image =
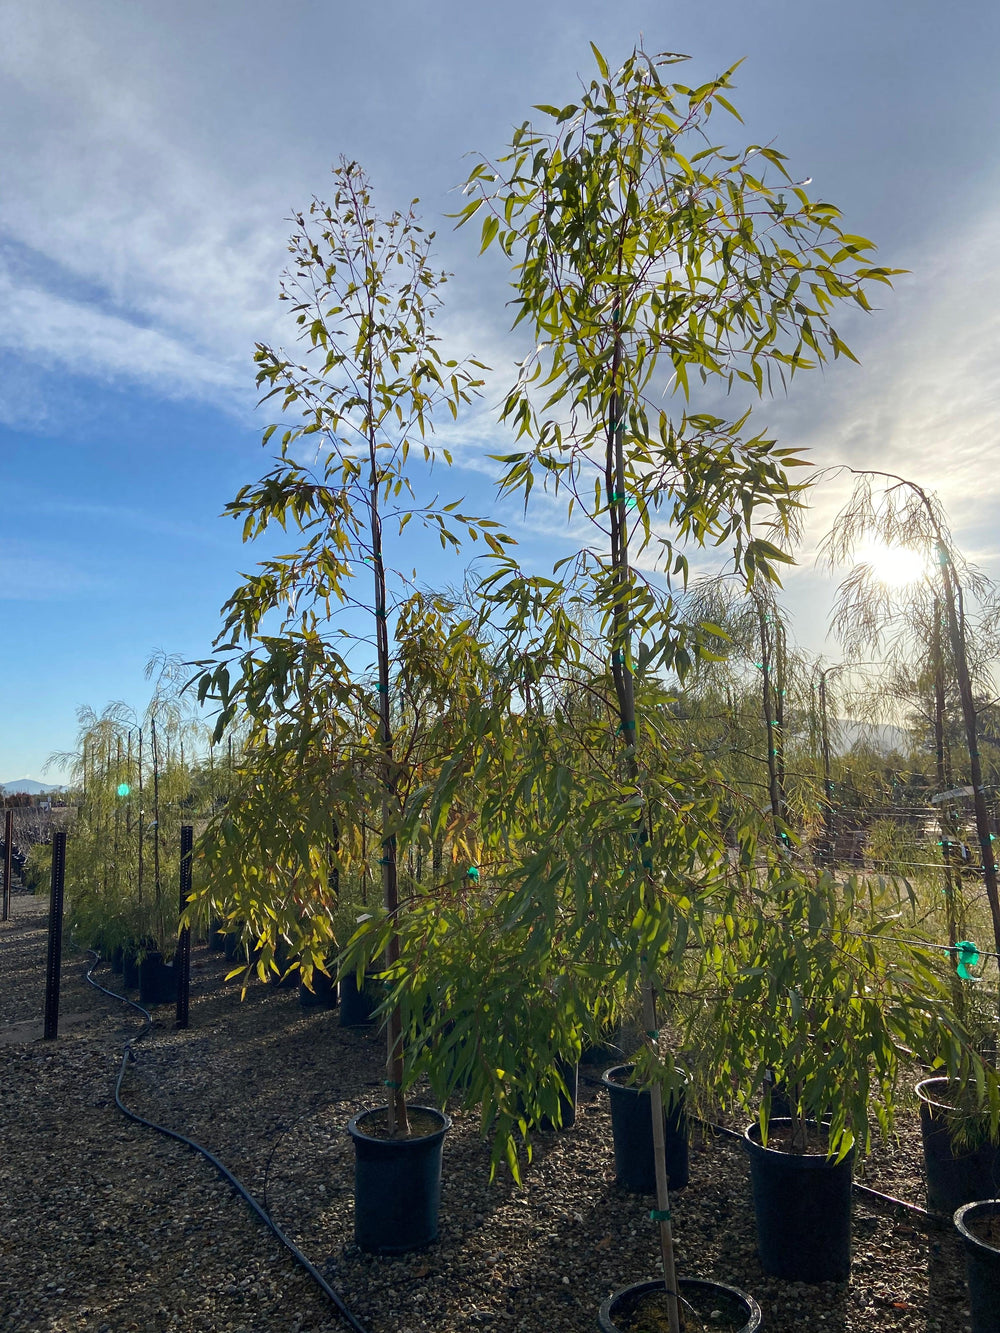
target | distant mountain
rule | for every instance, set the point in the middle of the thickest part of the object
(27, 785)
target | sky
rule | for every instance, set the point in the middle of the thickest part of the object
(152, 155)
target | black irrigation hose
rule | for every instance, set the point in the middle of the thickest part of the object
(128, 1054)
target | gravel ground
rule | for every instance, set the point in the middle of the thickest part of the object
(110, 1228)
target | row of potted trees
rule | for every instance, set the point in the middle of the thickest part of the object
(596, 860)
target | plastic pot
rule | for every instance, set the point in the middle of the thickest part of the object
(397, 1182)
(704, 1297)
(357, 1007)
(217, 935)
(802, 1206)
(233, 947)
(632, 1130)
(323, 994)
(283, 979)
(982, 1264)
(157, 980)
(117, 955)
(567, 1103)
(957, 1172)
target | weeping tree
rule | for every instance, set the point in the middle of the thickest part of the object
(930, 620)
(646, 260)
(364, 295)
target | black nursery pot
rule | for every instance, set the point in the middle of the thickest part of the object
(323, 994)
(233, 947)
(357, 1007)
(397, 1182)
(956, 1173)
(117, 959)
(217, 935)
(704, 1297)
(982, 1264)
(567, 1100)
(802, 1206)
(632, 1130)
(157, 980)
(130, 967)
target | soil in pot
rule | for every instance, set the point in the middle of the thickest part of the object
(978, 1223)
(632, 1130)
(397, 1181)
(704, 1306)
(802, 1205)
(960, 1167)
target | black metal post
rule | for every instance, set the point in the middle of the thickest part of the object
(52, 971)
(8, 853)
(183, 959)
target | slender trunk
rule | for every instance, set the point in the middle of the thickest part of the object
(142, 814)
(956, 629)
(770, 728)
(396, 1104)
(621, 671)
(944, 822)
(156, 823)
(118, 815)
(827, 780)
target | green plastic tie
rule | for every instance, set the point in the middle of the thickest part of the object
(380, 688)
(653, 1035)
(385, 861)
(659, 1214)
(390, 1083)
(647, 865)
(968, 956)
(473, 872)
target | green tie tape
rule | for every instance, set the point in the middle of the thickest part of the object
(968, 956)
(473, 872)
(659, 1214)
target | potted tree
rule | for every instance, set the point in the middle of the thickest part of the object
(363, 295)
(644, 256)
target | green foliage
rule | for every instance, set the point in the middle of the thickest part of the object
(123, 851)
(828, 987)
(647, 256)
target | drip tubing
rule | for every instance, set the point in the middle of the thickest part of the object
(129, 1056)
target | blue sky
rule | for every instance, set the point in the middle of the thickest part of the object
(152, 154)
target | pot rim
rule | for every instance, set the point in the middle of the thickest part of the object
(970, 1238)
(781, 1152)
(414, 1139)
(634, 1087)
(751, 1326)
(947, 1081)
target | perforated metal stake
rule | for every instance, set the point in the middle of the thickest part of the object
(52, 970)
(8, 853)
(182, 960)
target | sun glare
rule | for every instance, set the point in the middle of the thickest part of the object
(894, 566)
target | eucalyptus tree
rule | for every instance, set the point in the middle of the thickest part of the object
(363, 294)
(931, 619)
(647, 258)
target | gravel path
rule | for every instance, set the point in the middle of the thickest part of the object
(110, 1228)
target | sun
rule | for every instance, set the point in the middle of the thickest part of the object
(894, 566)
